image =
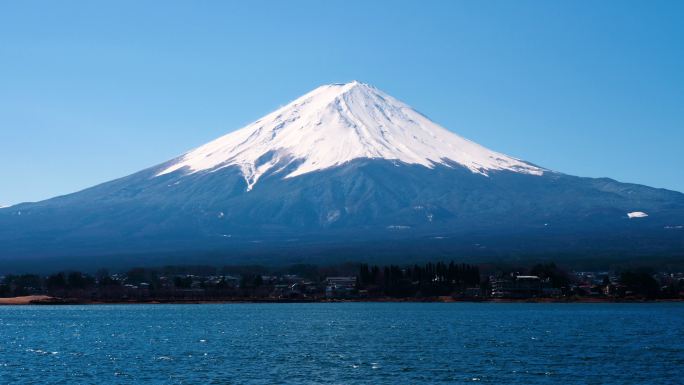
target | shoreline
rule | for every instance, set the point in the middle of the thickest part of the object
(39, 300)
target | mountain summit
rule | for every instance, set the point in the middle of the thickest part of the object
(335, 124)
(344, 172)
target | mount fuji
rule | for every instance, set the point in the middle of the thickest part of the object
(345, 171)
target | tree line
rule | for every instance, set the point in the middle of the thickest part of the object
(425, 280)
(428, 280)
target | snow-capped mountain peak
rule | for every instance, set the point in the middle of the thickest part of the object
(335, 124)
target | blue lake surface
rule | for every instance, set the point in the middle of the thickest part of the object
(343, 343)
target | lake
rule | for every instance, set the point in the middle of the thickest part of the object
(343, 343)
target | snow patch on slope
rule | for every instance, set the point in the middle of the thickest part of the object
(335, 124)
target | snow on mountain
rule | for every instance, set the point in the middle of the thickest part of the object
(335, 124)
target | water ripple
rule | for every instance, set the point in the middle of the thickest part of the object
(351, 343)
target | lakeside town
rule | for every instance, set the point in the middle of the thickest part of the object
(361, 282)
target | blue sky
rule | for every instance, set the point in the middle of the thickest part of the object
(91, 91)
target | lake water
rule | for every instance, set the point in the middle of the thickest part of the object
(343, 343)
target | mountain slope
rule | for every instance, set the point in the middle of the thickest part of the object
(344, 170)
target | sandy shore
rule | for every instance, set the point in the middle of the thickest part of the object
(25, 300)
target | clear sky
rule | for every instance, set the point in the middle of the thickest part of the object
(93, 90)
